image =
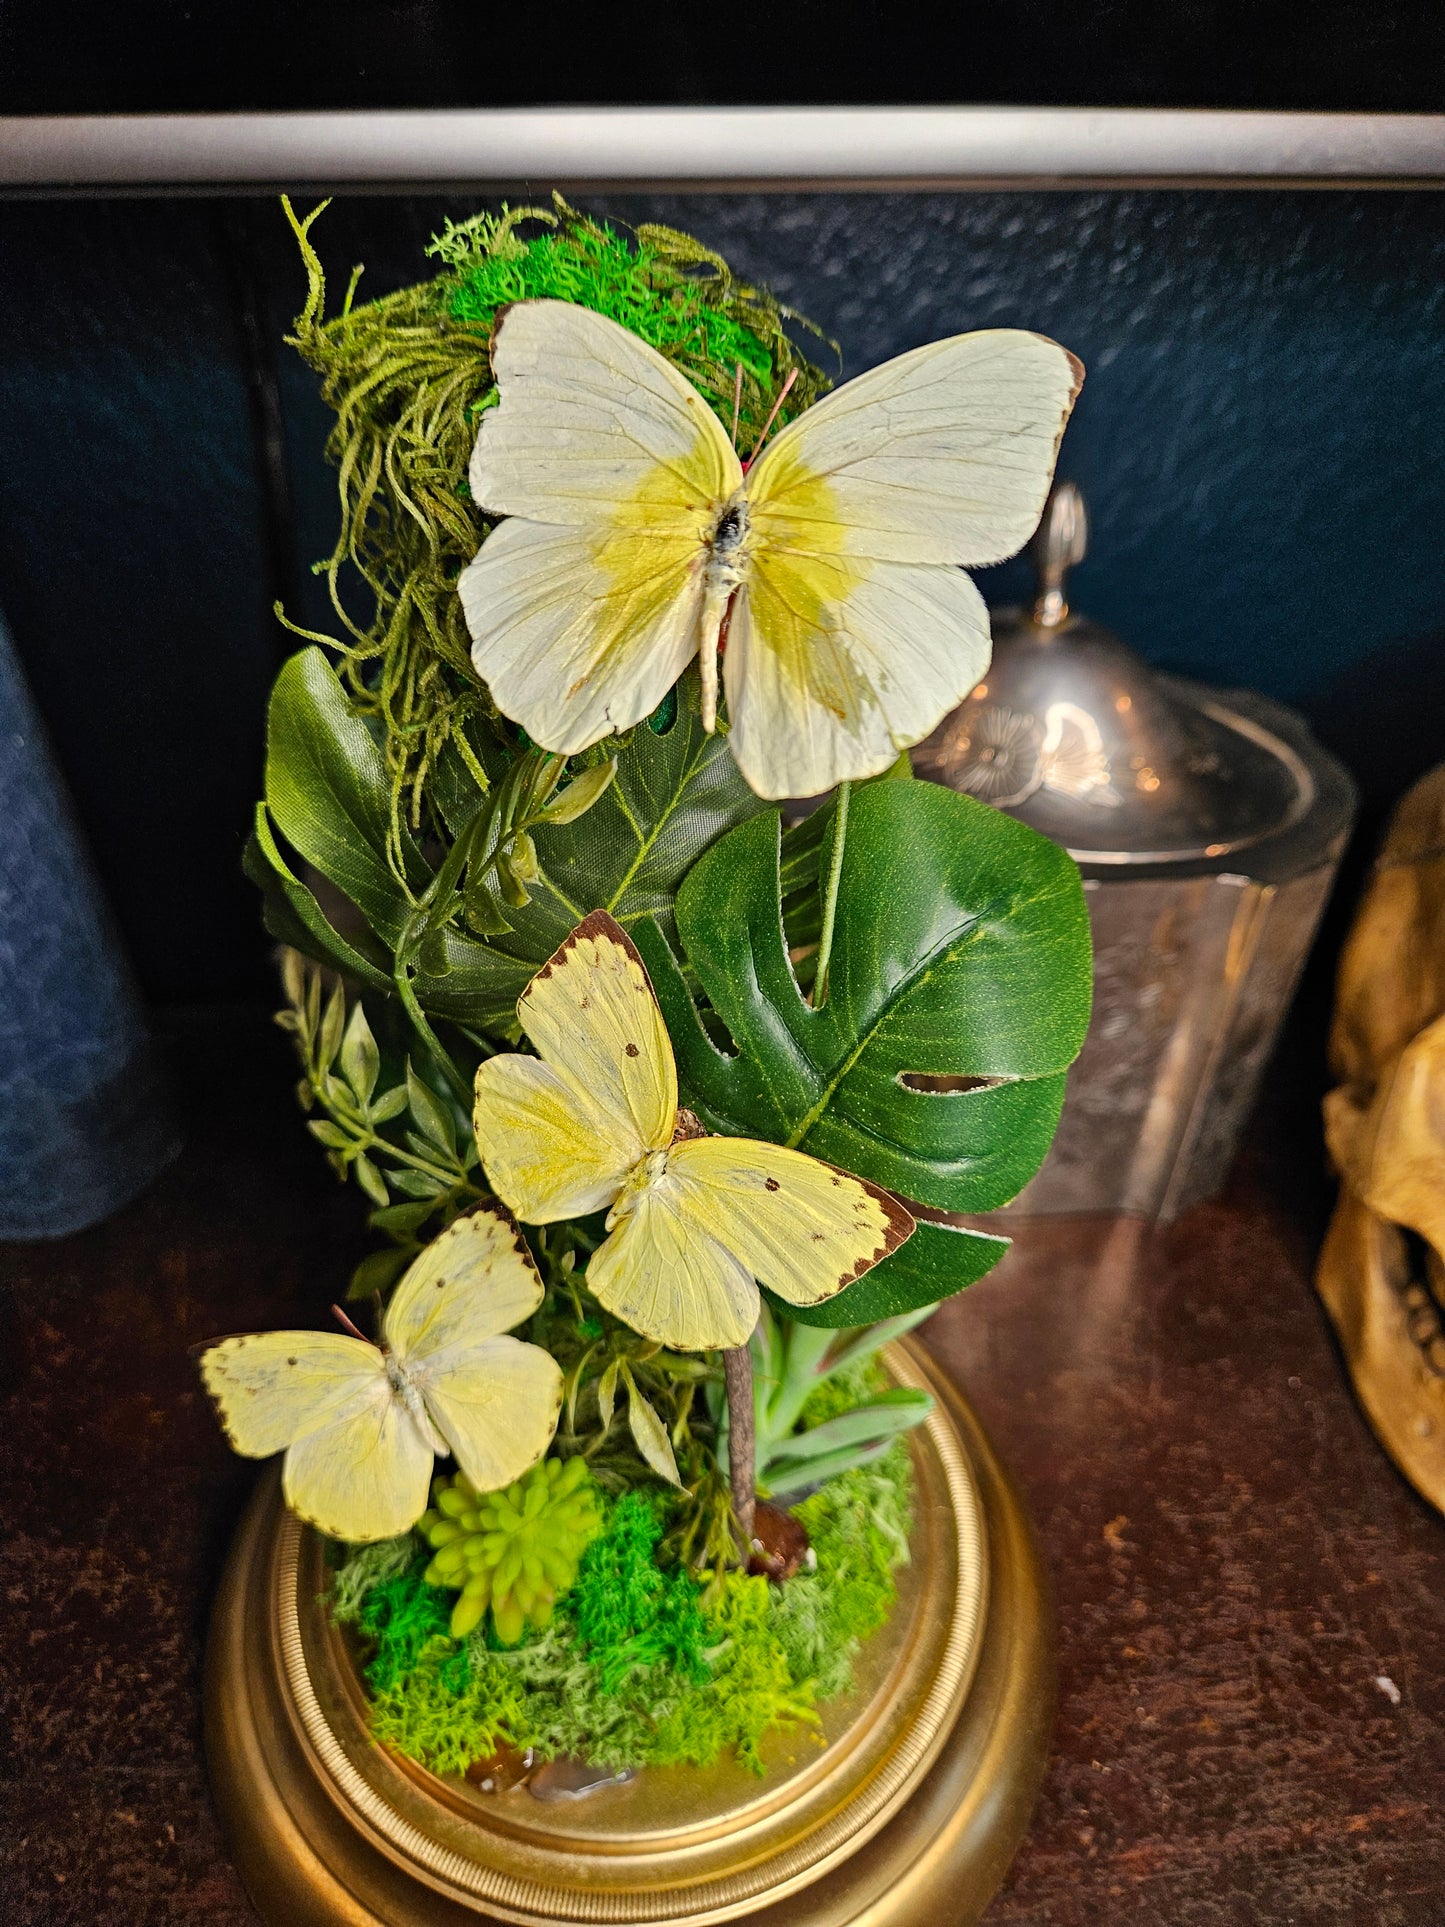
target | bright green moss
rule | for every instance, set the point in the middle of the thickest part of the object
(453, 1707)
(593, 267)
(640, 1665)
(859, 1526)
(630, 1615)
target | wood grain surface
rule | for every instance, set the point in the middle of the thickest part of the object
(1251, 1602)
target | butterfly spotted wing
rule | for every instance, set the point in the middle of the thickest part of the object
(357, 1465)
(559, 1132)
(695, 1221)
(360, 1430)
(493, 1399)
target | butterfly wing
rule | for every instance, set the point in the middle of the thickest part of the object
(270, 1388)
(476, 1279)
(356, 1465)
(494, 1400)
(558, 1136)
(363, 1477)
(854, 633)
(801, 1227)
(943, 455)
(663, 1273)
(584, 610)
(832, 668)
(579, 634)
(589, 420)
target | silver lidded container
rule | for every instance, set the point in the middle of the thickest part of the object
(1208, 825)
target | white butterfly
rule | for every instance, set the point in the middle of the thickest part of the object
(592, 1124)
(360, 1424)
(637, 541)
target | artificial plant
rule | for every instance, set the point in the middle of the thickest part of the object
(893, 982)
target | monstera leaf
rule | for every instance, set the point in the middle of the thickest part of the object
(328, 799)
(958, 994)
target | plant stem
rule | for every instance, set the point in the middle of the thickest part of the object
(830, 898)
(742, 1446)
(440, 1055)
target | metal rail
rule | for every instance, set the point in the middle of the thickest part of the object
(724, 147)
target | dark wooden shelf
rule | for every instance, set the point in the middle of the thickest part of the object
(1237, 1566)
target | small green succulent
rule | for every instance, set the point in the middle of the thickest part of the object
(515, 1550)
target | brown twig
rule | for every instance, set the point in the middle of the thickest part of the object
(742, 1444)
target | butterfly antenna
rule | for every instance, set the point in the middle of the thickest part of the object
(767, 425)
(737, 403)
(346, 1325)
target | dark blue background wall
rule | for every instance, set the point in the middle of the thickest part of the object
(1259, 437)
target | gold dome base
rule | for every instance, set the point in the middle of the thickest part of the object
(904, 1807)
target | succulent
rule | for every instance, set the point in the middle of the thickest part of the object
(815, 1414)
(515, 1550)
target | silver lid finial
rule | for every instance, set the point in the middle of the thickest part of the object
(1061, 541)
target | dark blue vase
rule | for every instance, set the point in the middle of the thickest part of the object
(84, 1122)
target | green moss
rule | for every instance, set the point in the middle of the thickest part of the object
(640, 1665)
(635, 285)
(629, 1615)
(752, 1688)
(453, 1707)
(398, 1612)
(859, 1526)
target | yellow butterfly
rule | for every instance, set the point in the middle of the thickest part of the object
(360, 1424)
(637, 541)
(592, 1123)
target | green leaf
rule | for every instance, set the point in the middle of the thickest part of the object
(883, 1417)
(294, 917)
(580, 794)
(333, 1027)
(432, 1116)
(328, 793)
(863, 1340)
(607, 1394)
(649, 1435)
(371, 1180)
(522, 858)
(672, 796)
(933, 1263)
(802, 849)
(389, 1105)
(378, 1272)
(789, 1475)
(360, 1059)
(331, 1135)
(961, 952)
(402, 1218)
(417, 1184)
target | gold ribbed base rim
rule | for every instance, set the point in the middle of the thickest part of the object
(906, 1808)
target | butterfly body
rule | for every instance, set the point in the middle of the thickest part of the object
(404, 1390)
(724, 572)
(637, 539)
(693, 1221)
